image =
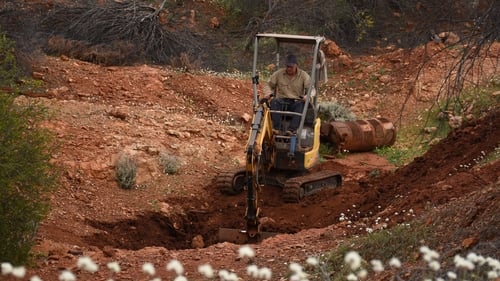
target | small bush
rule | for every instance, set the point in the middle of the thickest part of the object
(8, 64)
(126, 170)
(169, 163)
(26, 176)
(332, 111)
(400, 241)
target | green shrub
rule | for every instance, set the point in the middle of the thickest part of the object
(332, 111)
(26, 176)
(402, 241)
(168, 162)
(126, 170)
(8, 65)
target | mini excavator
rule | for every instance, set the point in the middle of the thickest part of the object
(274, 157)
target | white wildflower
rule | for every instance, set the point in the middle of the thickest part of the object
(180, 278)
(206, 270)
(472, 257)
(492, 274)
(451, 275)
(434, 265)
(35, 278)
(362, 274)
(493, 263)
(223, 274)
(429, 255)
(433, 254)
(395, 262)
(149, 269)
(299, 276)
(353, 259)
(18, 271)
(295, 267)
(232, 277)
(424, 250)
(439, 279)
(253, 270)
(265, 273)
(176, 266)
(342, 217)
(352, 277)
(114, 267)
(460, 262)
(6, 268)
(67, 275)
(246, 251)
(87, 264)
(312, 261)
(481, 260)
(377, 265)
(156, 279)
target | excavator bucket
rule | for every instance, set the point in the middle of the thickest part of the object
(239, 236)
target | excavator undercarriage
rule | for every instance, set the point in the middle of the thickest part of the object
(295, 186)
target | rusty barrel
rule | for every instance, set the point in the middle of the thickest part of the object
(359, 135)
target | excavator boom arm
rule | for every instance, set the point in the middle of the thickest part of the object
(258, 161)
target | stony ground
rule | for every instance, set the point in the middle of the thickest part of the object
(100, 112)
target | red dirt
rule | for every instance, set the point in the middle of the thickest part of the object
(102, 111)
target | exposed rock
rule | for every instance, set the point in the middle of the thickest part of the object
(331, 49)
(198, 242)
(469, 242)
(214, 23)
(385, 78)
(449, 37)
(37, 75)
(246, 117)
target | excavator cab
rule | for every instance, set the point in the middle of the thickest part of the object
(274, 157)
(293, 154)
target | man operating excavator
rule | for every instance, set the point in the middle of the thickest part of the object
(288, 86)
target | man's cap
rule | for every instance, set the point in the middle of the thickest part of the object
(290, 60)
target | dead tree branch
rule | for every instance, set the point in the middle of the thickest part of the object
(126, 21)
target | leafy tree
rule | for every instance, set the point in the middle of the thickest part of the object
(26, 174)
(26, 177)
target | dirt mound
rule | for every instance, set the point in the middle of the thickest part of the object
(448, 170)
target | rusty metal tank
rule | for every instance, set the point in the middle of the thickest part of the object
(359, 135)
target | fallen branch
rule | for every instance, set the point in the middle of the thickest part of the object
(125, 21)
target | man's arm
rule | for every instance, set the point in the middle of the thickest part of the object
(270, 87)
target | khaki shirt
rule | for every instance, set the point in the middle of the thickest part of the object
(289, 88)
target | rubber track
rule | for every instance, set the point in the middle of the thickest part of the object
(225, 181)
(295, 188)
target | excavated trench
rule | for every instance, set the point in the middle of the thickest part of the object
(195, 224)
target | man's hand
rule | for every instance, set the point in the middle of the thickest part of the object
(266, 98)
